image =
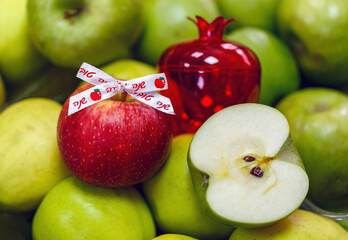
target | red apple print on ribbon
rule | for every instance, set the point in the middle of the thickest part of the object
(96, 95)
(160, 82)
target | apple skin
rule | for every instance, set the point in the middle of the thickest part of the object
(100, 32)
(166, 23)
(128, 69)
(173, 201)
(114, 143)
(19, 60)
(256, 13)
(76, 210)
(279, 71)
(174, 237)
(318, 124)
(30, 160)
(316, 33)
(301, 225)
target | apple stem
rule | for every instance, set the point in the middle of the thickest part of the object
(68, 14)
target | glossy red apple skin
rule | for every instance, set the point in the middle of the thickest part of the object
(114, 143)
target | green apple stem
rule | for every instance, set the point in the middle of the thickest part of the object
(68, 14)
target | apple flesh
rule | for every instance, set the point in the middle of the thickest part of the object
(114, 142)
(245, 168)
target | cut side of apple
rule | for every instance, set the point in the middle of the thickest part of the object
(245, 168)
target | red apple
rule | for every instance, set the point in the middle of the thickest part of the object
(114, 143)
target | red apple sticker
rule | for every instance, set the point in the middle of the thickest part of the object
(96, 95)
(114, 142)
(160, 82)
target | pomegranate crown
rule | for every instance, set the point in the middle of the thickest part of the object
(211, 30)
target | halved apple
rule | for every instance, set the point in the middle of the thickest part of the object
(245, 168)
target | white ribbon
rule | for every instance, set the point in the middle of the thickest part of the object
(142, 89)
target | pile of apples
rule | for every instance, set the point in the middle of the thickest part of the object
(275, 169)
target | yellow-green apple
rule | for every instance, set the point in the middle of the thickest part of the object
(30, 163)
(318, 122)
(166, 23)
(19, 60)
(115, 142)
(173, 201)
(255, 13)
(245, 167)
(279, 71)
(316, 33)
(128, 69)
(174, 237)
(301, 225)
(2, 92)
(71, 32)
(77, 210)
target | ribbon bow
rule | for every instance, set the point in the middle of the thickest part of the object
(142, 89)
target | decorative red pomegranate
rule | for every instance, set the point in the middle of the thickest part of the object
(208, 74)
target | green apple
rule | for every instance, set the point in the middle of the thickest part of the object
(166, 23)
(279, 71)
(18, 57)
(71, 32)
(128, 69)
(174, 237)
(172, 199)
(2, 93)
(318, 121)
(245, 167)
(255, 13)
(77, 210)
(30, 162)
(316, 33)
(301, 225)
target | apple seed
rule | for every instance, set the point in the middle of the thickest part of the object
(256, 171)
(249, 158)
